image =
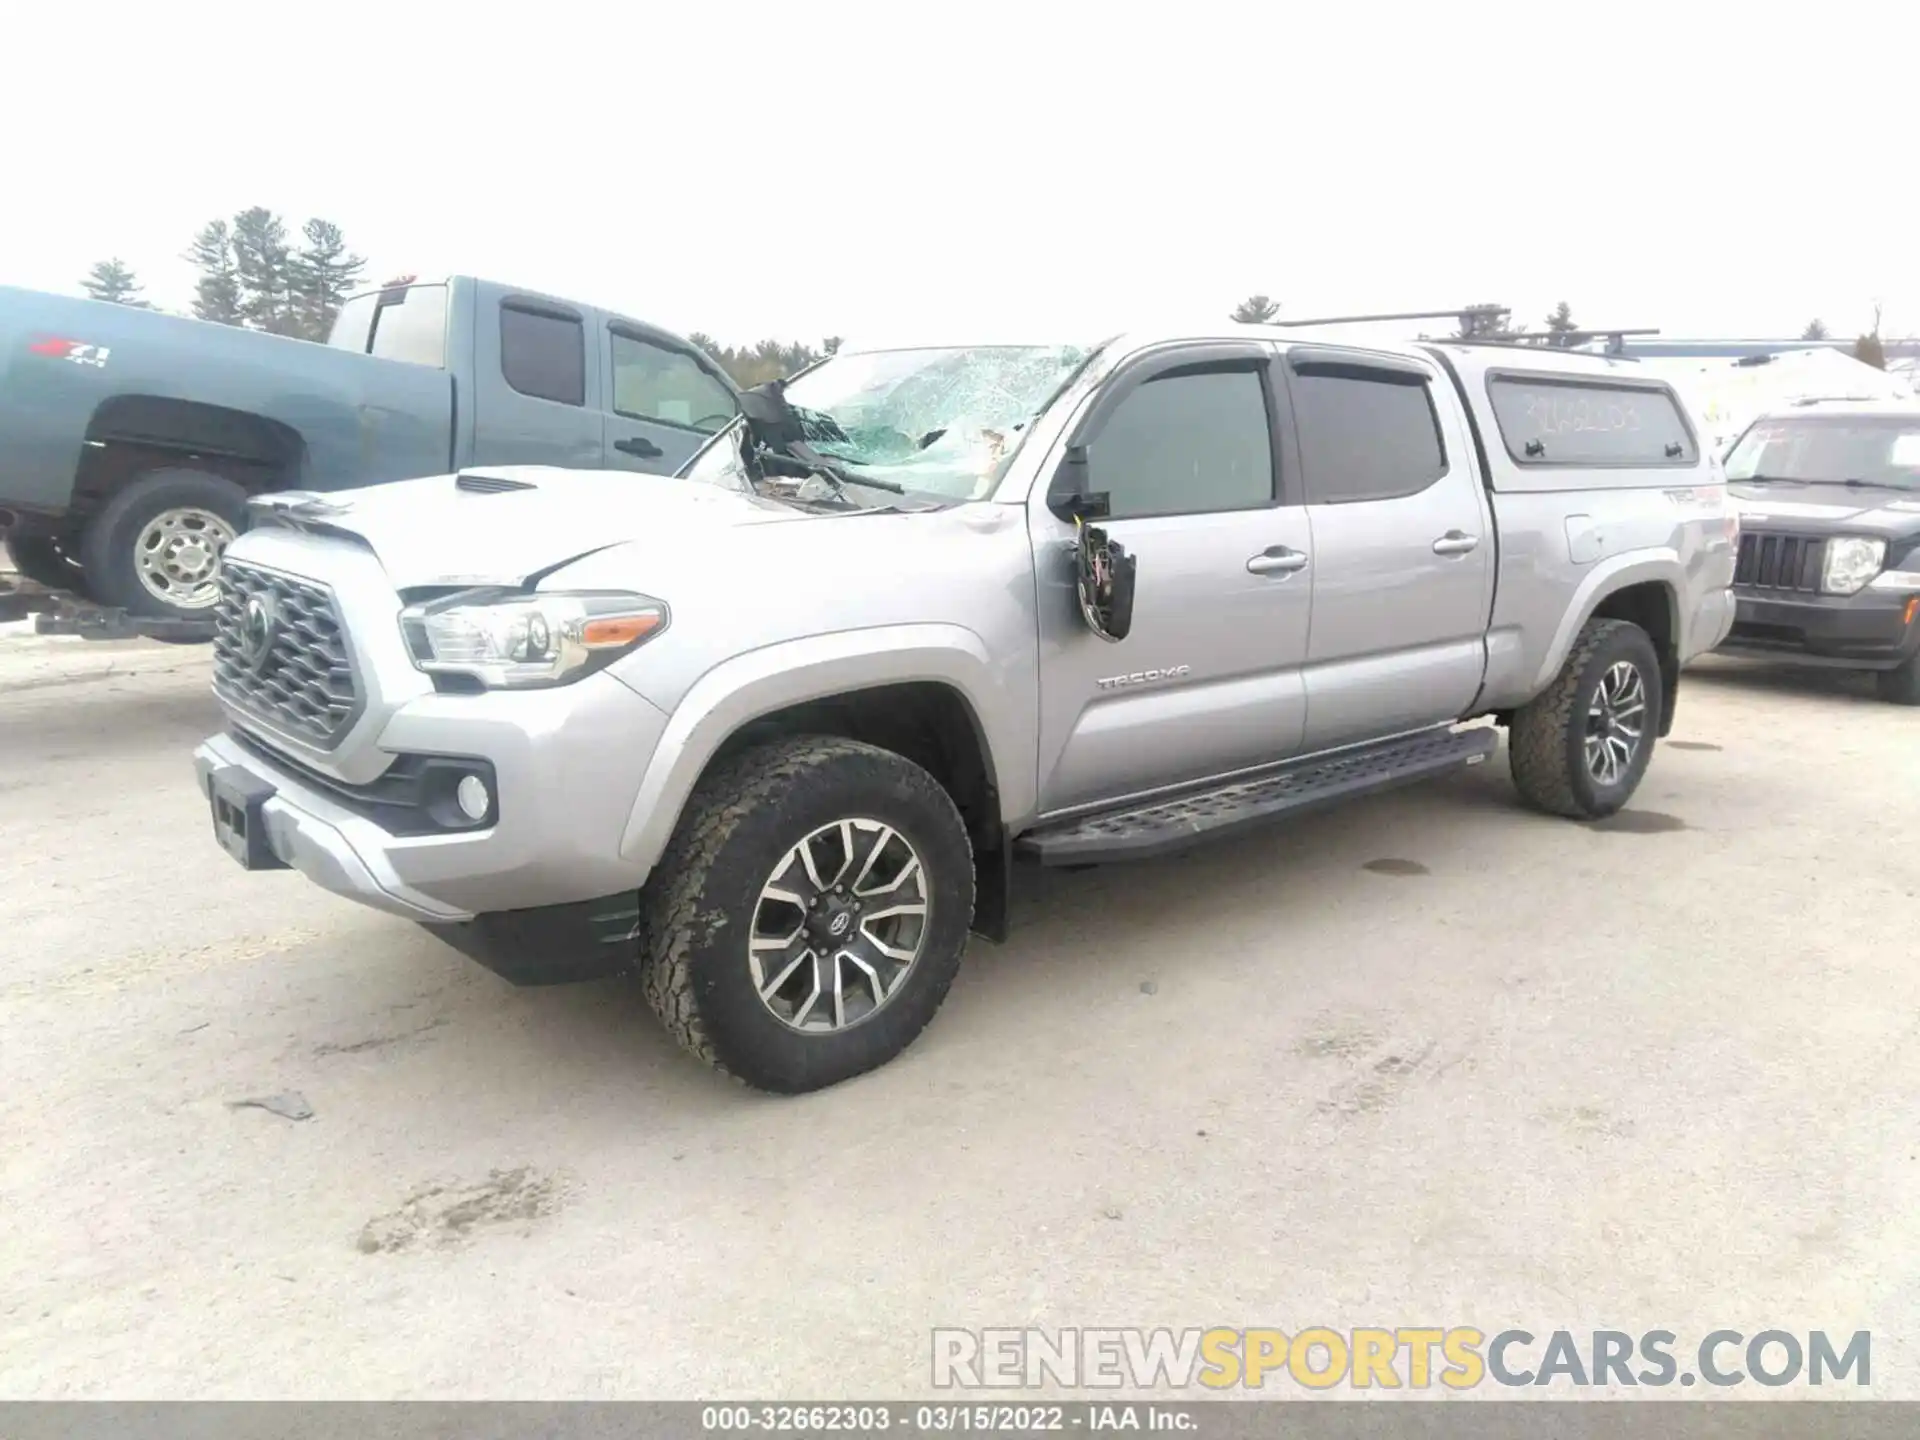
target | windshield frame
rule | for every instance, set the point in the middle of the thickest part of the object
(1893, 421)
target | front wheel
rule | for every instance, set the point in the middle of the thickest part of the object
(154, 549)
(810, 913)
(1580, 748)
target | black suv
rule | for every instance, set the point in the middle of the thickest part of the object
(1829, 569)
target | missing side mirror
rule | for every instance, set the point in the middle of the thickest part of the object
(1103, 581)
(1103, 571)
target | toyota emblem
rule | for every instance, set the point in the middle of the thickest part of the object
(259, 624)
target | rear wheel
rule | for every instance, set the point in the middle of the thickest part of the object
(154, 549)
(43, 560)
(1580, 748)
(810, 914)
(1901, 686)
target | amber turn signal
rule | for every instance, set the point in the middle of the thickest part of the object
(613, 631)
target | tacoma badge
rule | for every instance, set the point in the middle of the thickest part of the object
(1143, 677)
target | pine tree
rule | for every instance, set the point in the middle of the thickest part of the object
(216, 294)
(262, 262)
(1560, 327)
(113, 281)
(831, 345)
(1816, 330)
(319, 278)
(1485, 322)
(1868, 349)
(1255, 310)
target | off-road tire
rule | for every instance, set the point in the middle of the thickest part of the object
(699, 907)
(106, 549)
(42, 560)
(1546, 743)
(1900, 686)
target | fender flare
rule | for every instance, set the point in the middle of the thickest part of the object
(746, 687)
(1633, 567)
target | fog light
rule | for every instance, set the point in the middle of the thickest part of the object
(472, 797)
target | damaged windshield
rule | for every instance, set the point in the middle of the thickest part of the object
(940, 424)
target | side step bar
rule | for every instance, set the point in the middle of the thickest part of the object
(1161, 826)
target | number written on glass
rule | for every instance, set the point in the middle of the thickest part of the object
(1579, 412)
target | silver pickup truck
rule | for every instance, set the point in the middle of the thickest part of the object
(772, 733)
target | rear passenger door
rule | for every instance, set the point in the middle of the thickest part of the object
(535, 377)
(664, 399)
(1403, 546)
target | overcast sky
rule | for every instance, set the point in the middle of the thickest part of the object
(806, 169)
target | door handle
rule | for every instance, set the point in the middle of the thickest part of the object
(1455, 542)
(637, 445)
(1276, 560)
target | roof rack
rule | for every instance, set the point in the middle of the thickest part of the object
(1459, 312)
(1572, 341)
(1585, 334)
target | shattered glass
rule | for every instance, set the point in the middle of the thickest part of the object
(940, 422)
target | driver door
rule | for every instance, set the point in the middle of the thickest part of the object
(663, 400)
(1190, 444)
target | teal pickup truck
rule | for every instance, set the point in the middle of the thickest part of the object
(131, 441)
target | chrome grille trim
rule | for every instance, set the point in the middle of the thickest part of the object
(302, 687)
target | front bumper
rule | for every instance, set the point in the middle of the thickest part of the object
(1868, 631)
(567, 767)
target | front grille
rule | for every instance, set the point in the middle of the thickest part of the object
(279, 655)
(1779, 562)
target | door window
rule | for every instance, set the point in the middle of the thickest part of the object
(544, 355)
(1365, 434)
(1187, 442)
(652, 382)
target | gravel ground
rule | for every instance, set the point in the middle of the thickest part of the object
(1429, 1060)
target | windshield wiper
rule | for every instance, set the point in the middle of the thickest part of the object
(833, 469)
(780, 435)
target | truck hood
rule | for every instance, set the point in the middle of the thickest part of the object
(1872, 510)
(506, 525)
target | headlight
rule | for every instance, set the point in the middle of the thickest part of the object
(507, 640)
(1851, 563)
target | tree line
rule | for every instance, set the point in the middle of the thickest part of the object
(253, 273)
(766, 360)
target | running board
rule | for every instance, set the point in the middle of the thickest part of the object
(1159, 827)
